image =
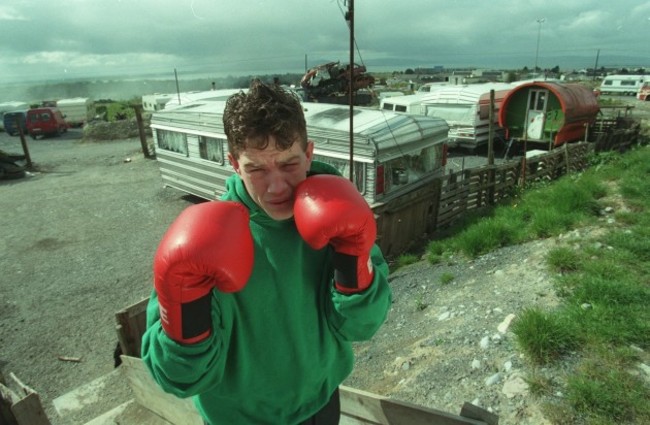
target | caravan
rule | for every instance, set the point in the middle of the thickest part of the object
(77, 111)
(467, 111)
(465, 108)
(548, 114)
(158, 102)
(622, 84)
(397, 159)
(409, 104)
(392, 152)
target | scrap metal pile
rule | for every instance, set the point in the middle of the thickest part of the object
(330, 83)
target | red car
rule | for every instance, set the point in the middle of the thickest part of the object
(45, 122)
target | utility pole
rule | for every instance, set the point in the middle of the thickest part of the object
(178, 91)
(350, 18)
(596, 65)
(540, 21)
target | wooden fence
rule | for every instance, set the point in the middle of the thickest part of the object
(450, 197)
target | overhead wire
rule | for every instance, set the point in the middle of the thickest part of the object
(340, 4)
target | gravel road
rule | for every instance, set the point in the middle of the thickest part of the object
(77, 243)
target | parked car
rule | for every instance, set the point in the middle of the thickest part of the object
(9, 121)
(45, 121)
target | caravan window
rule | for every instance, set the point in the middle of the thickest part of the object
(409, 168)
(400, 108)
(344, 168)
(628, 82)
(172, 141)
(451, 113)
(211, 149)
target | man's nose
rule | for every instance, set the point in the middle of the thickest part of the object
(277, 182)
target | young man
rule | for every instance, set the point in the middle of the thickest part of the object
(258, 296)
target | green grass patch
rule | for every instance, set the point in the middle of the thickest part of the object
(446, 278)
(544, 336)
(603, 283)
(563, 260)
(603, 394)
(405, 260)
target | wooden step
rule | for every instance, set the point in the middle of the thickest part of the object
(94, 398)
(129, 413)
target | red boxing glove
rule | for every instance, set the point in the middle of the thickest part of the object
(329, 210)
(208, 246)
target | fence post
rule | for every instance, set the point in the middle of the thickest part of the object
(566, 158)
(143, 138)
(23, 142)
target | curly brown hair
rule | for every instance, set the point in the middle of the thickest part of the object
(250, 118)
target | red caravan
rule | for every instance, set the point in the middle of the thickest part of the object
(550, 113)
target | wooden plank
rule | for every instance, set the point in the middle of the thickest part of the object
(474, 412)
(7, 399)
(357, 407)
(148, 394)
(129, 413)
(15, 410)
(379, 410)
(131, 324)
(29, 411)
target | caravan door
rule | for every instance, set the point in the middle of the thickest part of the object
(537, 99)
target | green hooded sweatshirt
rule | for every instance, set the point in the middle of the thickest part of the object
(281, 346)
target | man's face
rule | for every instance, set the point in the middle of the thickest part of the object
(271, 175)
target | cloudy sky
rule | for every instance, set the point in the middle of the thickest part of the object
(88, 38)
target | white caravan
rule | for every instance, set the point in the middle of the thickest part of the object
(398, 159)
(77, 111)
(466, 109)
(622, 84)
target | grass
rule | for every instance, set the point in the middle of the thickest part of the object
(446, 278)
(404, 260)
(605, 394)
(603, 283)
(544, 336)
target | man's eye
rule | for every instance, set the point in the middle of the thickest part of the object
(290, 166)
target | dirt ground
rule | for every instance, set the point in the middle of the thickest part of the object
(78, 238)
(77, 242)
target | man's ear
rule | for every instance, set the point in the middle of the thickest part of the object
(234, 163)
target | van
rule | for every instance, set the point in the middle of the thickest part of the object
(9, 121)
(11, 106)
(45, 122)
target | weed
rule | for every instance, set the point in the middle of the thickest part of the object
(406, 259)
(544, 336)
(602, 393)
(539, 385)
(420, 304)
(563, 260)
(446, 278)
